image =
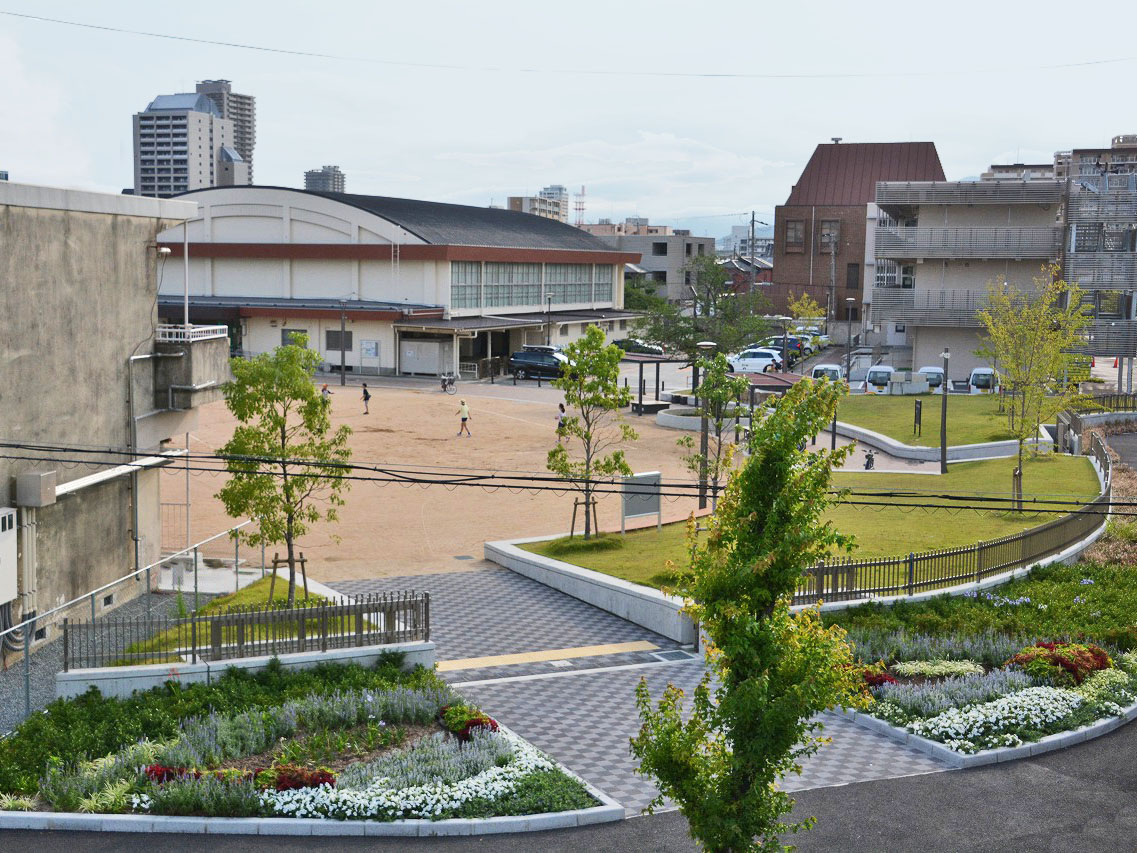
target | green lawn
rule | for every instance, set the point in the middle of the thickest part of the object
(642, 556)
(971, 419)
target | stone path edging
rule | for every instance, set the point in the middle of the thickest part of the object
(608, 811)
(937, 750)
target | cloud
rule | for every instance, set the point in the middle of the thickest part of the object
(34, 140)
(662, 174)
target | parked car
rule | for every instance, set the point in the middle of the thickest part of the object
(832, 372)
(983, 380)
(935, 378)
(878, 378)
(752, 361)
(775, 352)
(792, 345)
(638, 346)
(537, 362)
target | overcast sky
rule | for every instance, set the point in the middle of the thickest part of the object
(523, 104)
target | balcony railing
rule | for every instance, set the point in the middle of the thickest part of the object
(178, 334)
(913, 193)
(928, 307)
(1111, 338)
(1102, 270)
(903, 243)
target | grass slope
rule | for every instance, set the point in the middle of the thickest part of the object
(642, 556)
(971, 419)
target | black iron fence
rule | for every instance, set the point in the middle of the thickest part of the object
(848, 579)
(242, 631)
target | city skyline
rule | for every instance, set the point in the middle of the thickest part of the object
(425, 119)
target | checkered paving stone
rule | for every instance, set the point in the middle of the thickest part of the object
(498, 612)
(585, 721)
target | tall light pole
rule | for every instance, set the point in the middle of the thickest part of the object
(343, 338)
(548, 321)
(943, 413)
(705, 347)
(849, 300)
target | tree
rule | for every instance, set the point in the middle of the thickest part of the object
(640, 294)
(283, 458)
(774, 669)
(804, 307)
(732, 320)
(716, 393)
(591, 385)
(1032, 333)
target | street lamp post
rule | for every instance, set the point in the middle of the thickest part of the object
(343, 335)
(849, 300)
(943, 413)
(548, 321)
(704, 439)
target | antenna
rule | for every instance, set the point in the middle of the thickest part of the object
(578, 206)
(836, 139)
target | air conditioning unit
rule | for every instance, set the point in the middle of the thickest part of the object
(9, 588)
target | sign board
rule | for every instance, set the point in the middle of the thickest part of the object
(641, 497)
(369, 349)
(917, 425)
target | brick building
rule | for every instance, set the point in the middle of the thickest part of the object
(820, 232)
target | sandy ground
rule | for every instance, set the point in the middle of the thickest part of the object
(397, 530)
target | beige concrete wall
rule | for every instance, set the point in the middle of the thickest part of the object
(928, 343)
(936, 275)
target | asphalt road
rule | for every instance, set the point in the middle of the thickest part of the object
(1080, 799)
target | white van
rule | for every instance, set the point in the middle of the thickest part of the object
(984, 380)
(935, 378)
(878, 378)
(832, 372)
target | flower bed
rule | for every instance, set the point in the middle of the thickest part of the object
(358, 746)
(1043, 689)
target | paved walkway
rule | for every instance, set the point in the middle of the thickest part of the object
(581, 708)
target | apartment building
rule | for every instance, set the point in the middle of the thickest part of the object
(239, 109)
(940, 244)
(550, 203)
(327, 179)
(663, 256)
(632, 226)
(182, 143)
(820, 233)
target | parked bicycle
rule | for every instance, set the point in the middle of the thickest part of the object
(449, 383)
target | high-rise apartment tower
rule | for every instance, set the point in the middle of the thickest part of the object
(328, 179)
(239, 109)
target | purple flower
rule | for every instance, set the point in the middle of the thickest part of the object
(1085, 581)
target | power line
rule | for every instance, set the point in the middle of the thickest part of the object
(592, 72)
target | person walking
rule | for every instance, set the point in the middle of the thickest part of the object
(464, 413)
(561, 415)
(366, 397)
(326, 393)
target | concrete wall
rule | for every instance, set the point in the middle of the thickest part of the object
(671, 264)
(79, 284)
(928, 343)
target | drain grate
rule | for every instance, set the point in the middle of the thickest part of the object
(675, 654)
(463, 557)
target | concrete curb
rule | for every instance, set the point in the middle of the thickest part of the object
(608, 811)
(955, 452)
(122, 681)
(959, 760)
(640, 605)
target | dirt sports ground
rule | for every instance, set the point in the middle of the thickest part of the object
(391, 530)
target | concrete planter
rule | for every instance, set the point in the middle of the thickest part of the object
(955, 453)
(641, 605)
(122, 681)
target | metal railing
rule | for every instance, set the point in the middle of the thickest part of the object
(22, 636)
(1101, 270)
(912, 193)
(848, 579)
(170, 333)
(919, 242)
(928, 307)
(242, 632)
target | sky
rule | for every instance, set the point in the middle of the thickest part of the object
(692, 114)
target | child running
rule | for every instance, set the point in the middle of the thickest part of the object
(464, 412)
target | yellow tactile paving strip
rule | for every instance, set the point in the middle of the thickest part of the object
(546, 655)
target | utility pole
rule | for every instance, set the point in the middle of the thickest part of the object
(753, 269)
(833, 274)
(343, 338)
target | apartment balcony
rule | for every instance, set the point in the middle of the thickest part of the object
(928, 307)
(915, 193)
(903, 243)
(1102, 270)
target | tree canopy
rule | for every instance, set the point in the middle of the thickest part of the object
(284, 458)
(716, 312)
(718, 392)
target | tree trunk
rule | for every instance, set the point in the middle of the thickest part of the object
(291, 563)
(587, 510)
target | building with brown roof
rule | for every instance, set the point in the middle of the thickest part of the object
(820, 232)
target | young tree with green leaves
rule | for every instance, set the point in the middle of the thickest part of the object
(593, 396)
(717, 393)
(641, 294)
(1032, 333)
(283, 457)
(774, 669)
(804, 307)
(717, 313)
